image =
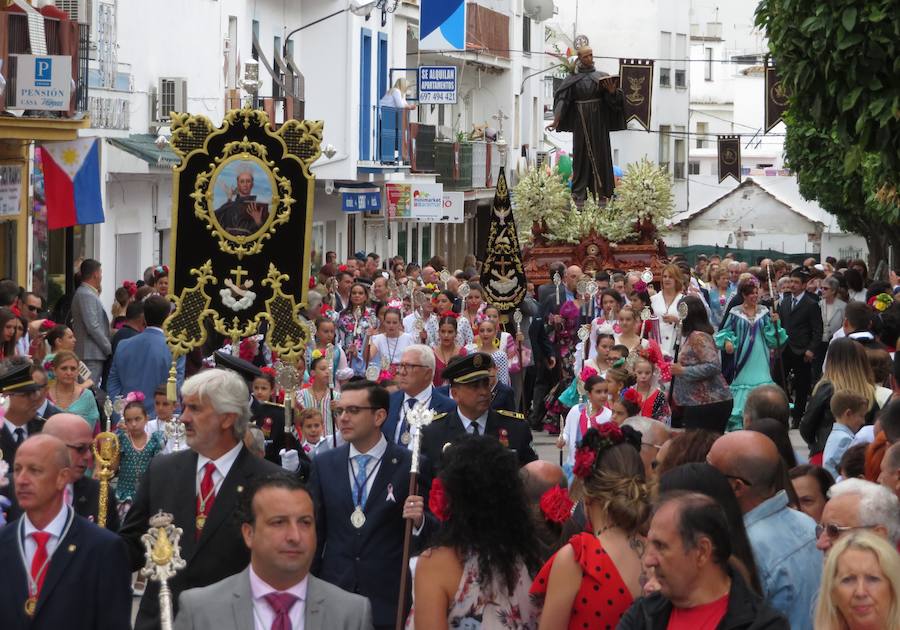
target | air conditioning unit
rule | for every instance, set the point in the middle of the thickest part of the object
(78, 10)
(171, 96)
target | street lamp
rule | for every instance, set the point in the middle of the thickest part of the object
(362, 8)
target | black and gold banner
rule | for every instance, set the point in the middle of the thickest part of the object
(730, 157)
(636, 82)
(502, 275)
(776, 95)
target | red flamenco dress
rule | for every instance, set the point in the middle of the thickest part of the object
(602, 598)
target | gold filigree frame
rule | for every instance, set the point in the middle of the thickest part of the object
(279, 208)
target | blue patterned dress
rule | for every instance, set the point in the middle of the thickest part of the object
(752, 339)
(133, 462)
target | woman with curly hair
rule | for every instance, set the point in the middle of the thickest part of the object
(477, 574)
(749, 332)
(594, 579)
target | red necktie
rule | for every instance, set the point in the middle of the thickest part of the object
(281, 603)
(207, 495)
(39, 564)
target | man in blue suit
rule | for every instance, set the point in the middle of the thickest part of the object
(59, 569)
(142, 363)
(415, 374)
(360, 491)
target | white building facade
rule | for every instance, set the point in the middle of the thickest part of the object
(196, 63)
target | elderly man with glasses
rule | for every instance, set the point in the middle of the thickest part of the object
(858, 504)
(783, 540)
(415, 374)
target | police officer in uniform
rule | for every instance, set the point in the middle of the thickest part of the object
(470, 387)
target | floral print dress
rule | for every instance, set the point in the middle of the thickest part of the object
(489, 607)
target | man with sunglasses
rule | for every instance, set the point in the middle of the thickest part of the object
(415, 374)
(360, 492)
(783, 540)
(470, 388)
(858, 504)
(82, 493)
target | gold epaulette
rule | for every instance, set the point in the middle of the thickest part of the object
(439, 416)
(511, 414)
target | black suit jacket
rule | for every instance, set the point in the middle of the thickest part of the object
(366, 561)
(87, 502)
(125, 332)
(87, 585)
(169, 485)
(514, 432)
(503, 397)
(802, 324)
(8, 446)
(269, 418)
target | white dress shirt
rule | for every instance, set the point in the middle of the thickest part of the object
(223, 465)
(54, 528)
(481, 422)
(423, 397)
(372, 466)
(264, 615)
(12, 429)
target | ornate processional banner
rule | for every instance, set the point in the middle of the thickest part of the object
(242, 217)
(636, 83)
(502, 275)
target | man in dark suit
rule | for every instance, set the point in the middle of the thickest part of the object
(470, 388)
(59, 570)
(502, 396)
(143, 362)
(360, 492)
(801, 318)
(543, 353)
(45, 408)
(82, 493)
(548, 289)
(200, 487)
(90, 323)
(415, 374)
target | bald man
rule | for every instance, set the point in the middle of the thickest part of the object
(79, 575)
(573, 275)
(82, 493)
(783, 540)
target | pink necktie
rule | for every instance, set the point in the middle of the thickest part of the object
(281, 603)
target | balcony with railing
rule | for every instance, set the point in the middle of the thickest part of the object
(64, 37)
(396, 143)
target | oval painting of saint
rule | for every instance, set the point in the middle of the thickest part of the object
(242, 197)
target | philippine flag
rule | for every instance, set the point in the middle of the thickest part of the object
(72, 182)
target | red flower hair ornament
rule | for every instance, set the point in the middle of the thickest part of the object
(631, 395)
(556, 506)
(598, 439)
(449, 314)
(437, 500)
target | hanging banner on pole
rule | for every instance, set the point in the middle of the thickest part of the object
(730, 158)
(776, 96)
(636, 83)
(442, 25)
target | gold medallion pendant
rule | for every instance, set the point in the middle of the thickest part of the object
(357, 518)
(200, 521)
(30, 606)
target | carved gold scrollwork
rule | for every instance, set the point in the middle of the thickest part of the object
(184, 328)
(287, 335)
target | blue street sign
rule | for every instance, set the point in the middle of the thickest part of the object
(361, 201)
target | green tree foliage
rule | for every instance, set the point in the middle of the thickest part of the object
(840, 63)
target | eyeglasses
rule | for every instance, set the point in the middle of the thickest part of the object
(81, 449)
(833, 531)
(409, 366)
(352, 410)
(32, 308)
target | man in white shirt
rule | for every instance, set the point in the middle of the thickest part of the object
(200, 487)
(276, 590)
(59, 570)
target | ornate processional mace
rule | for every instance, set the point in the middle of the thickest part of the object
(164, 559)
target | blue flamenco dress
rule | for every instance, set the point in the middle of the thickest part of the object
(752, 339)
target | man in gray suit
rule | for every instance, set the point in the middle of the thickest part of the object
(90, 322)
(276, 591)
